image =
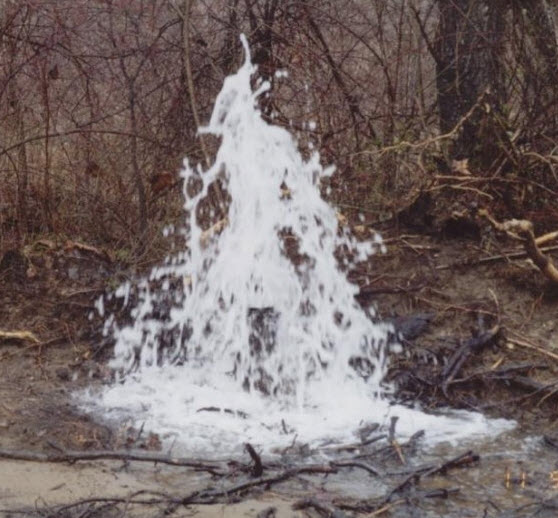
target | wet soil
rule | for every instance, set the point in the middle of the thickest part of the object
(441, 293)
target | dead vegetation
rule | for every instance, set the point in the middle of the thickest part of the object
(445, 145)
(477, 335)
(378, 456)
(102, 102)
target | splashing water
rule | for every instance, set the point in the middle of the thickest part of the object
(265, 341)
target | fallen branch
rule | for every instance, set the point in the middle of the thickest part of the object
(234, 492)
(529, 345)
(469, 347)
(212, 496)
(204, 497)
(465, 459)
(72, 456)
(522, 230)
(18, 336)
(492, 258)
(501, 374)
(257, 468)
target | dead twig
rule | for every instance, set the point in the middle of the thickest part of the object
(211, 496)
(492, 258)
(529, 345)
(403, 145)
(356, 464)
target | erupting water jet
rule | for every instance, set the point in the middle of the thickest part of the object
(264, 325)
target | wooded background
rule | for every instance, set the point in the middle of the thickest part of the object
(429, 108)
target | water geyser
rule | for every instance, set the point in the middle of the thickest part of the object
(264, 341)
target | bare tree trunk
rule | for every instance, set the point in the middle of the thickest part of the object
(352, 103)
(230, 42)
(130, 78)
(542, 27)
(22, 171)
(17, 126)
(468, 54)
(47, 209)
(142, 198)
(184, 12)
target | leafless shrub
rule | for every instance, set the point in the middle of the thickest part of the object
(96, 110)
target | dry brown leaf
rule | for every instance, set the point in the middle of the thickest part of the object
(461, 166)
(342, 219)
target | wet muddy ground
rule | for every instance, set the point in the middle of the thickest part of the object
(481, 333)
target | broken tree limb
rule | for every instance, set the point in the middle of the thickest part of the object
(504, 373)
(546, 238)
(493, 258)
(214, 495)
(522, 229)
(357, 464)
(463, 352)
(465, 459)
(72, 456)
(200, 497)
(257, 468)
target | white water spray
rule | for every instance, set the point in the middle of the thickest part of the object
(265, 341)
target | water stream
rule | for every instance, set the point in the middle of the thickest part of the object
(252, 333)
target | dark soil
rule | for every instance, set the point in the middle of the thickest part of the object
(465, 290)
(50, 290)
(477, 333)
(439, 283)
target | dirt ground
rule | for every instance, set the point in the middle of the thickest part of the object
(455, 294)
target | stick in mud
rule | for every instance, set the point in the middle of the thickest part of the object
(72, 456)
(257, 469)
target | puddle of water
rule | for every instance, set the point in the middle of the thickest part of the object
(201, 430)
(514, 470)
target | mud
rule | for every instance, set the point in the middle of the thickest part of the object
(44, 486)
(53, 291)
